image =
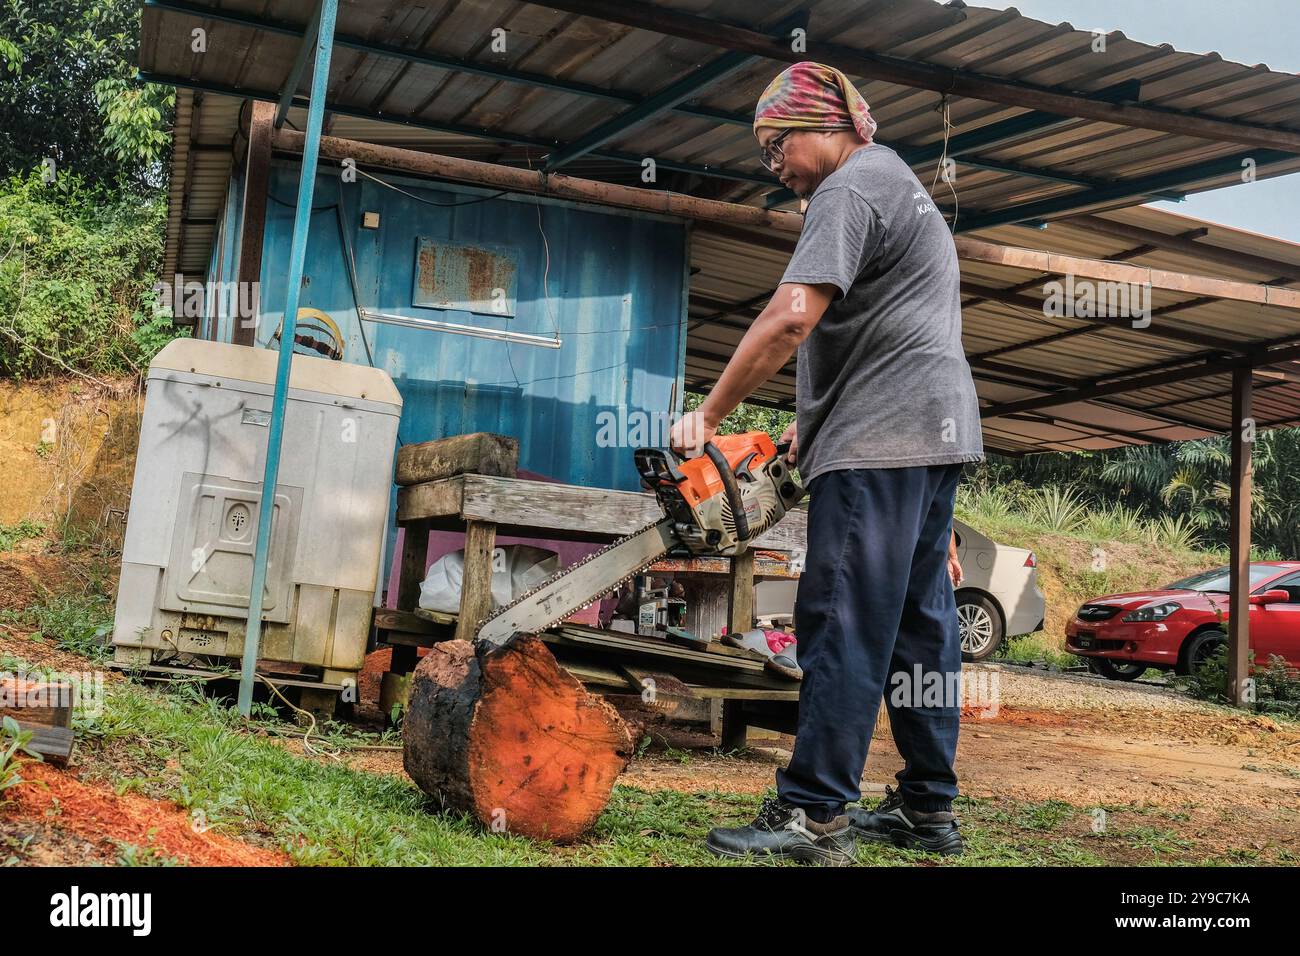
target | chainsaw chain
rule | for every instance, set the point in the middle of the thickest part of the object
(571, 568)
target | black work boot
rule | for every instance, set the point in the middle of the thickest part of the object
(782, 831)
(894, 821)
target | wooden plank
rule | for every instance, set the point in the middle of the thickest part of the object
(476, 582)
(406, 639)
(54, 743)
(662, 683)
(578, 635)
(1186, 243)
(388, 619)
(435, 618)
(740, 599)
(535, 181)
(767, 564)
(571, 508)
(430, 499)
(719, 648)
(480, 453)
(415, 559)
(601, 676)
(735, 733)
(252, 225)
(202, 673)
(744, 693)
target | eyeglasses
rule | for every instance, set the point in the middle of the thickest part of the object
(771, 154)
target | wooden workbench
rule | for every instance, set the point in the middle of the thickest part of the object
(483, 506)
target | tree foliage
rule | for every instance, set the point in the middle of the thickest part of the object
(77, 270)
(1184, 480)
(67, 93)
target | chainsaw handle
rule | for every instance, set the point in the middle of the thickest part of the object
(731, 488)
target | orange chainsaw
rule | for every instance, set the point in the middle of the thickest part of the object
(714, 504)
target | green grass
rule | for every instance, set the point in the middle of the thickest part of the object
(11, 534)
(1038, 647)
(78, 623)
(1020, 516)
(194, 750)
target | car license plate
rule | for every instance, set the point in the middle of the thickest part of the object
(1084, 640)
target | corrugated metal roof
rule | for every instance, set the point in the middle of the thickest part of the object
(1000, 336)
(602, 67)
(1039, 168)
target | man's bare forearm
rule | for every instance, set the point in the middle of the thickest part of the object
(766, 347)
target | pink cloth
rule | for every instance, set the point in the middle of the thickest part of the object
(814, 96)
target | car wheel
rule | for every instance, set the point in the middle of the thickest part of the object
(1119, 670)
(981, 626)
(1198, 649)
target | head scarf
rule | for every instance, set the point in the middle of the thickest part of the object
(814, 96)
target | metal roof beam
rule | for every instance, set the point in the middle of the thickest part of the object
(1206, 369)
(1174, 335)
(306, 52)
(993, 136)
(1052, 176)
(931, 76)
(667, 98)
(1122, 190)
(715, 172)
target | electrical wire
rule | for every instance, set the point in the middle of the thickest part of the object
(294, 205)
(943, 162)
(428, 202)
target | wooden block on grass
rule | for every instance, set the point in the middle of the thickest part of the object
(52, 743)
(480, 453)
(37, 702)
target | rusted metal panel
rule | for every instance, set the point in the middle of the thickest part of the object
(465, 277)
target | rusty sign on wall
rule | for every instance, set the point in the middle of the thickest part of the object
(465, 277)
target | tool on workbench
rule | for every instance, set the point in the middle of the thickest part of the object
(657, 608)
(714, 505)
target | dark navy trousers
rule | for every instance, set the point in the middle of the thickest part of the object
(875, 600)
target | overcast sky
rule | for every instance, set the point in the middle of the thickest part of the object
(1245, 31)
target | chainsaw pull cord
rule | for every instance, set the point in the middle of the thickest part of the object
(731, 488)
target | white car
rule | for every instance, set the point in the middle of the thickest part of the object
(999, 597)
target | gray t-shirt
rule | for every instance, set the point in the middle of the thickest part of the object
(882, 380)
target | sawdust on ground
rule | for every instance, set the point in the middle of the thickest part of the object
(62, 819)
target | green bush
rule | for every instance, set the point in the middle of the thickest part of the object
(1276, 687)
(77, 270)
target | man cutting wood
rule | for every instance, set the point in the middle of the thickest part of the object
(886, 414)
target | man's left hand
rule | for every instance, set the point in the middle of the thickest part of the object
(690, 432)
(954, 570)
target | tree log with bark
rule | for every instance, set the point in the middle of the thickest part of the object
(506, 734)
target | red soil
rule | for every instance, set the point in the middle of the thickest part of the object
(97, 814)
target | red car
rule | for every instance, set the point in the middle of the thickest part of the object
(1178, 626)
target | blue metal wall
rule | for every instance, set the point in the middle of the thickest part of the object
(617, 294)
